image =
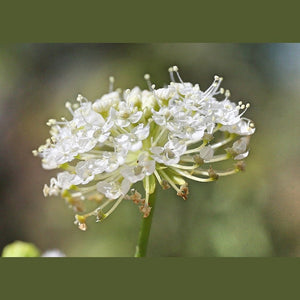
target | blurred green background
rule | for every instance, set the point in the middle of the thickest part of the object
(255, 213)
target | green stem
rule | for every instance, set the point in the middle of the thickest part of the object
(141, 247)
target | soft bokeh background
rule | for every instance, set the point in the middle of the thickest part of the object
(255, 213)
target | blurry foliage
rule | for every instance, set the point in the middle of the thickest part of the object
(256, 213)
(20, 249)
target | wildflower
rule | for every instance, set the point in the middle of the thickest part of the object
(167, 135)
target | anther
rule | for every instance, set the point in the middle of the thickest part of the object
(227, 93)
(175, 69)
(68, 105)
(35, 152)
(51, 122)
(81, 222)
(79, 98)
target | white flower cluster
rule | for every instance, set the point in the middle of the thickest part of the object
(166, 135)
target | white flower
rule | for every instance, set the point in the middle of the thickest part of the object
(170, 153)
(240, 148)
(133, 141)
(144, 167)
(242, 127)
(167, 134)
(206, 153)
(66, 179)
(126, 115)
(107, 101)
(113, 190)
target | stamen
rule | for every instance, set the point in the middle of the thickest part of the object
(171, 74)
(68, 105)
(147, 78)
(111, 83)
(175, 69)
(214, 86)
(227, 94)
(79, 98)
(114, 207)
(244, 107)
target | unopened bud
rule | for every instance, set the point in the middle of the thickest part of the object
(184, 191)
(165, 185)
(198, 160)
(240, 165)
(212, 174)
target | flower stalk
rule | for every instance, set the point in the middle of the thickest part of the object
(141, 247)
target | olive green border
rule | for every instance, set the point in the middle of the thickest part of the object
(152, 21)
(135, 21)
(185, 278)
